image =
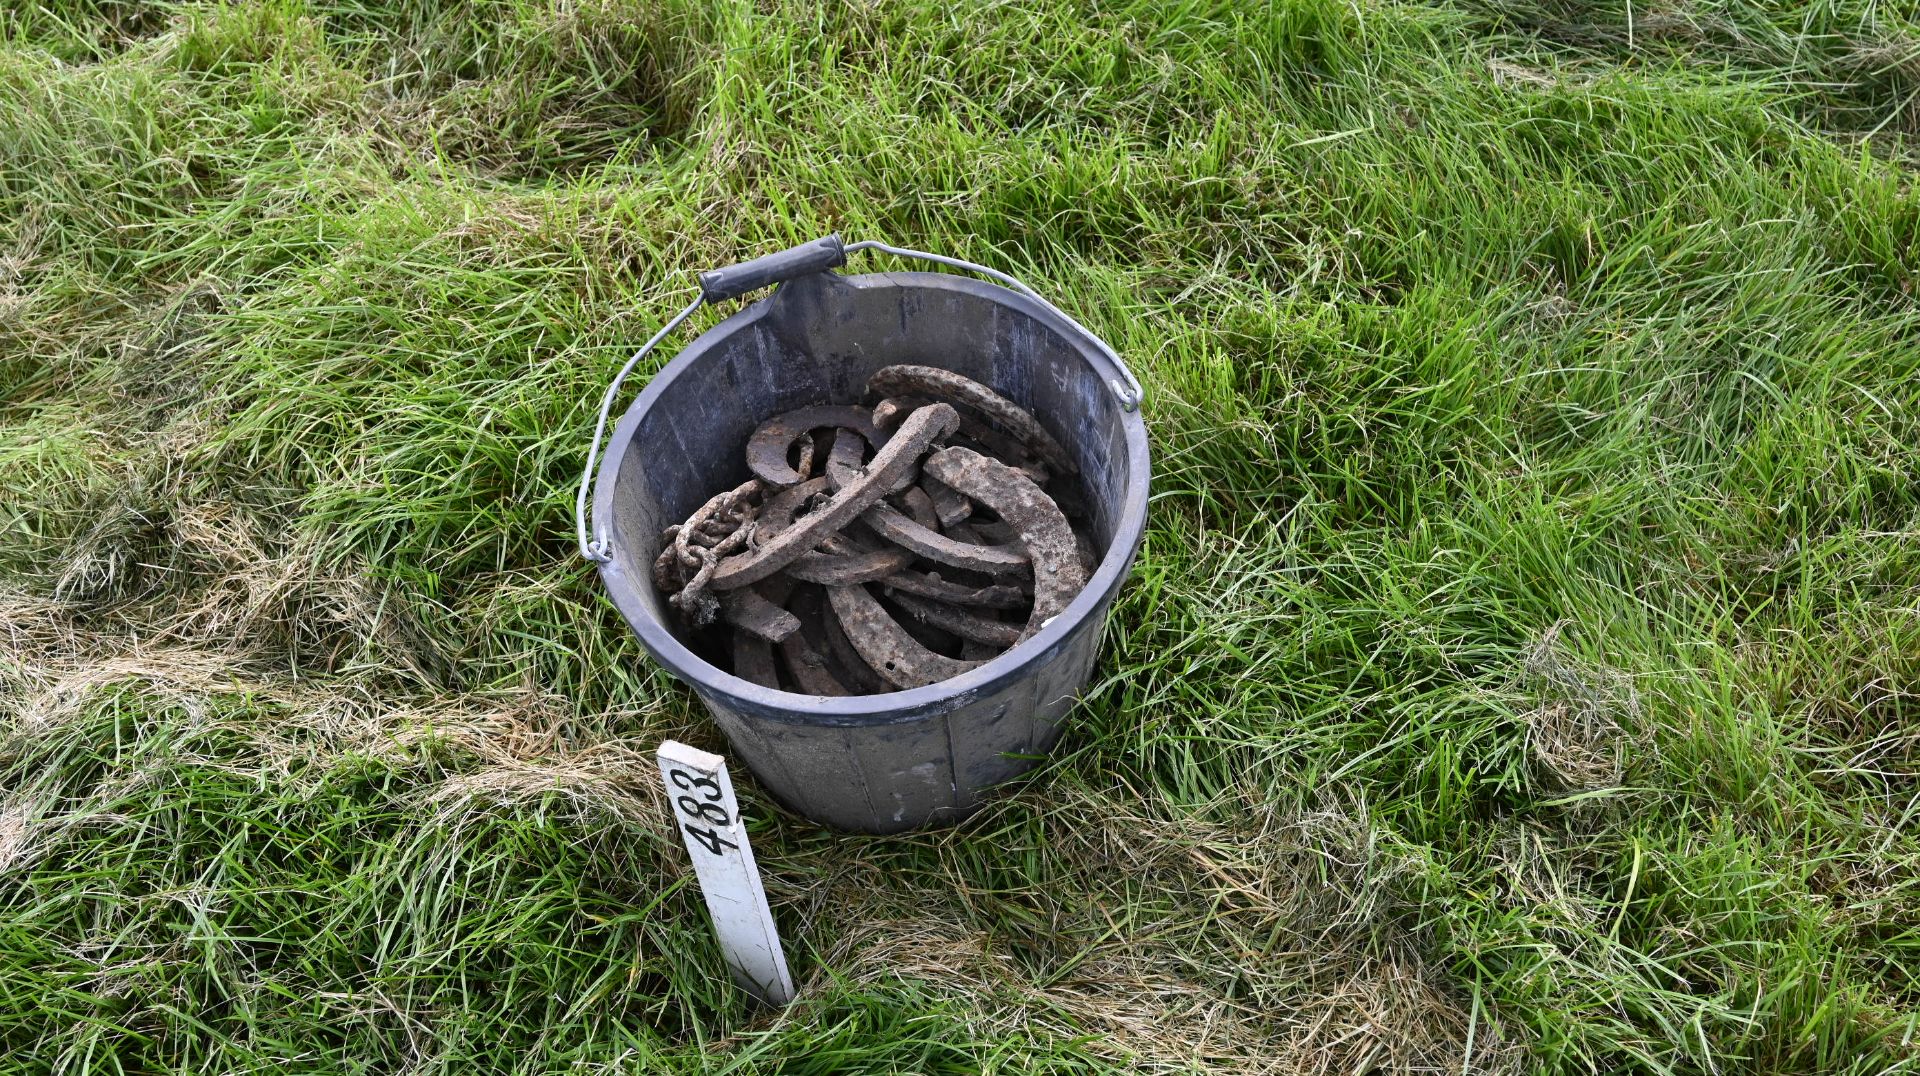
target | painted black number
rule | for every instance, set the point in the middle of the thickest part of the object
(712, 840)
(709, 812)
(686, 783)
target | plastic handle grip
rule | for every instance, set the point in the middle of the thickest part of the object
(737, 280)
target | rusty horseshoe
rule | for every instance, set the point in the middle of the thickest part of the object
(895, 466)
(958, 621)
(995, 408)
(1044, 531)
(887, 649)
(767, 449)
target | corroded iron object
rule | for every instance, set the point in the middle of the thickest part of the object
(791, 551)
(722, 525)
(755, 615)
(893, 525)
(949, 506)
(888, 412)
(885, 646)
(848, 665)
(974, 433)
(844, 459)
(891, 468)
(839, 561)
(1044, 532)
(768, 448)
(777, 514)
(850, 569)
(932, 586)
(809, 668)
(753, 660)
(966, 625)
(957, 388)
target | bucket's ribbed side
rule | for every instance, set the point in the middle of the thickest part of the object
(890, 778)
(882, 763)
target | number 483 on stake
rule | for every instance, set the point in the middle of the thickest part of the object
(708, 817)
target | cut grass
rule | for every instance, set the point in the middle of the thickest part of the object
(1518, 674)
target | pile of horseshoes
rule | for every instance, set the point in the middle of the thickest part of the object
(881, 549)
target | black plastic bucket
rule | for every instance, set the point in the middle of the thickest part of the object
(874, 763)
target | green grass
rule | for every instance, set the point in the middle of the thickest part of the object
(1519, 673)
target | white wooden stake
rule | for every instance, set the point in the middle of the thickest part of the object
(708, 818)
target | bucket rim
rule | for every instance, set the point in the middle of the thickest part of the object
(912, 704)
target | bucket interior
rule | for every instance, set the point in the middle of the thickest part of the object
(817, 340)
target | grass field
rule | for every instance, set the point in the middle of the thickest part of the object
(1520, 673)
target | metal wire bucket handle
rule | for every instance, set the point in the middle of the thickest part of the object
(819, 255)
